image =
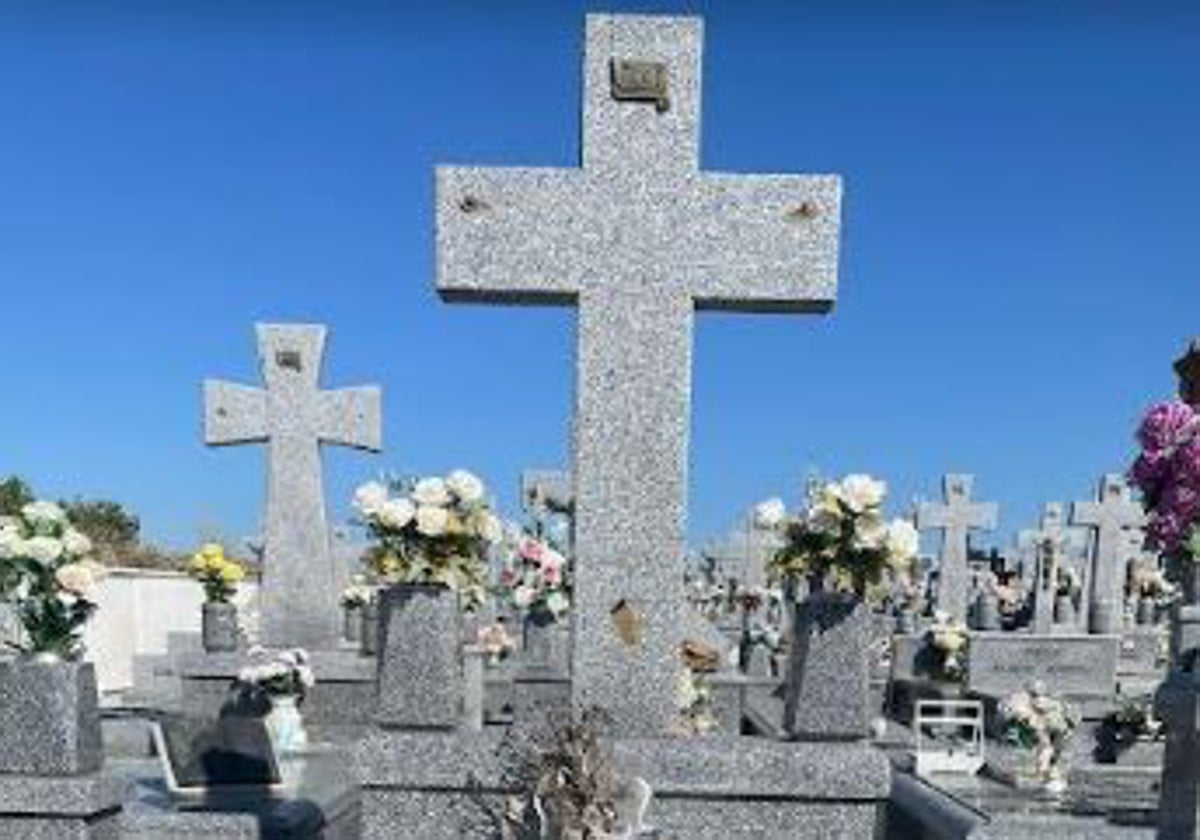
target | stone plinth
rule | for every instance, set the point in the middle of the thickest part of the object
(67, 808)
(446, 786)
(344, 693)
(49, 722)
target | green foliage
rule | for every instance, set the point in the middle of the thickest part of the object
(106, 523)
(15, 493)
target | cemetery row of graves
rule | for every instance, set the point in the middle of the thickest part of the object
(566, 674)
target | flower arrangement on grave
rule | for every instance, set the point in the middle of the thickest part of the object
(694, 713)
(950, 642)
(1041, 723)
(841, 540)
(1119, 730)
(217, 573)
(1167, 472)
(1149, 582)
(45, 571)
(535, 578)
(1067, 584)
(357, 595)
(495, 641)
(436, 531)
(283, 679)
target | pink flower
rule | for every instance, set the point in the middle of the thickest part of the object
(1165, 424)
(532, 550)
(552, 575)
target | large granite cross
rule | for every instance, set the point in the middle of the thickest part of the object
(300, 580)
(1111, 517)
(956, 518)
(638, 239)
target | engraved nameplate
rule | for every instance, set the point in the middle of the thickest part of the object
(641, 81)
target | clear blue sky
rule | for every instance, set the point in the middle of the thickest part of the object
(1021, 260)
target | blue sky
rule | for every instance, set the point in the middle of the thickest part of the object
(1019, 257)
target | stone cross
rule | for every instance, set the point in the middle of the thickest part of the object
(638, 239)
(956, 518)
(294, 417)
(1111, 517)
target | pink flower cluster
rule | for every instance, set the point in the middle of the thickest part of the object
(1168, 473)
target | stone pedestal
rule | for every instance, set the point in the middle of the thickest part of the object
(64, 808)
(546, 646)
(49, 721)
(219, 627)
(420, 661)
(987, 612)
(1178, 705)
(450, 786)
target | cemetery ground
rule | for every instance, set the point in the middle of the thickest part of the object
(433, 671)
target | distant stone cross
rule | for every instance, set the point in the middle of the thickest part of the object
(956, 518)
(1111, 517)
(638, 239)
(299, 592)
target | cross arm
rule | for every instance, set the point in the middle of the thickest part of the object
(234, 414)
(508, 234)
(351, 417)
(760, 243)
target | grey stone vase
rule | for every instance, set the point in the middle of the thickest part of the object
(1147, 611)
(352, 624)
(1064, 609)
(49, 717)
(219, 627)
(545, 644)
(827, 692)
(420, 658)
(368, 642)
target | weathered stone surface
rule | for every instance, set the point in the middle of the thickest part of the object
(638, 239)
(1112, 516)
(300, 585)
(49, 721)
(1075, 665)
(420, 660)
(956, 518)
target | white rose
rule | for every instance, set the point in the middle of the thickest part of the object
(903, 539)
(465, 486)
(432, 521)
(872, 533)
(78, 579)
(44, 550)
(75, 543)
(770, 514)
(396, 513)
(370, 498)
(11, 543)
(523, 596)
(431, 492)
(824, 520)
(861, 492)
(43, 512)
(492, 530)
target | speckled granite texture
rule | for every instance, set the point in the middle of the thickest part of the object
(420, 659)
(638, 239)
(294, 417)
(76, 808)
(49, 723)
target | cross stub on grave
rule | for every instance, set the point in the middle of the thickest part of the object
(300, 591)
(1111, 517)
(956, 518)
(638, 239)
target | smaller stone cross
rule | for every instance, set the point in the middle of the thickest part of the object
(294, 417)
(956, 518)
(1112, 516)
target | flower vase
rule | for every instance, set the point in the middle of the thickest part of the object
(906, 622)
(368, 643)
(420, 670)
(49, 717)
(828, 683)
(543, 643)
(219, 627)
(285, 723)
(1146, 611)
(1064, 609)
(352, 624)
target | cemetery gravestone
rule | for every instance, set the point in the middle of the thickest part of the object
(295, 418)
(957, 517)
(1111, 517)
(1074, 666)
(638, 239)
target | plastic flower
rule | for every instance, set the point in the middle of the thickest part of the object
(465, 486)
(770, 514)
(860, 492)
(431, 492)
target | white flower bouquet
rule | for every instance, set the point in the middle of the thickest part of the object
(535, 578)
(357, 595)
(435, 531)
(1038, 721)
(284, 674)
(840, 540)
(46, 572)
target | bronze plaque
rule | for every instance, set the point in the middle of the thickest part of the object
(289, 360)
(641, 81)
